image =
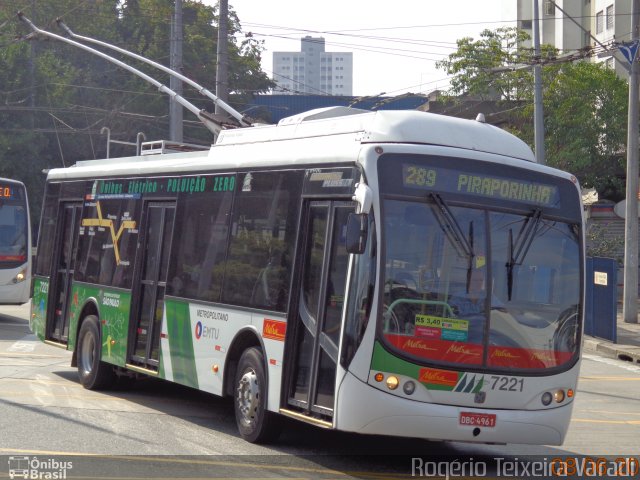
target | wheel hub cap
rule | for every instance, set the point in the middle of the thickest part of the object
(248, 397)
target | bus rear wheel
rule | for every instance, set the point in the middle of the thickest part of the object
(255, 423)
(94, 374)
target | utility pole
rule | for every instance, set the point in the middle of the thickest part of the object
(175, 84)
(222, 75)
(630, 305)
(32, 70)
(538, 115)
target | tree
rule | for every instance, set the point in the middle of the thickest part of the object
(483, 68)
(55, 98)
(585, 107)
(584, 104)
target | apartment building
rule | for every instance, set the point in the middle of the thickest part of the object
(606, 20)
(313, 71)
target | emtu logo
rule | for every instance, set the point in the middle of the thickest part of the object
(206, 332)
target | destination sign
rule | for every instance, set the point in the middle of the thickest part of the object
(6, 191)
(488, 186)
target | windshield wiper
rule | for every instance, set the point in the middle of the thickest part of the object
(453, 231)
(519, 250)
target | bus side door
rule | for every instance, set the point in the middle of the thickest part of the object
(150, 284)
(63, 269)
(313, 352)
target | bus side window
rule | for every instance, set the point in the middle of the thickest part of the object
(47, 228)
(263, 232)
(196, 269)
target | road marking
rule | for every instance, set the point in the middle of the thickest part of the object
(608, 378)
(614, 422)
(21, 346)
(617, 363)
(613, 413)
(38, 355)
(61, 395)
(22, 363)
(40, 382)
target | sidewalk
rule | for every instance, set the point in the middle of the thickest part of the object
(627, 346)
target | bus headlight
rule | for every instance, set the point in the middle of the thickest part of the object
(20, 277)
(558, 396)
(546, 398)
(409, 387)
(392, 382)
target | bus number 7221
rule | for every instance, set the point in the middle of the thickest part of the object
(506, 384)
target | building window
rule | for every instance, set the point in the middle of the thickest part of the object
(610, 63)
(549, 8)
(599, 22)
(525, 24)
(610, 17)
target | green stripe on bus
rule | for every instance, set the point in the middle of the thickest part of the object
(114, 307)
(385, 362)
(182, 359)
(39, 306)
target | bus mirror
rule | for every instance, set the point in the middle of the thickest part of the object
(357, 229)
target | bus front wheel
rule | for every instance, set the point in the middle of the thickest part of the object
(94, 374)
(255, 423)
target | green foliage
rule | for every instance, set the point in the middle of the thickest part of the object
(585, 104)
(480, 68)
(55, 98)
(599, 244)
(585, 109)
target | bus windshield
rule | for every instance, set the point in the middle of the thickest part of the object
(13, 227)
(473, 285)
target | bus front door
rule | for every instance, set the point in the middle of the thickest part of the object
(151, 282)
(65, 254)
(313, 351)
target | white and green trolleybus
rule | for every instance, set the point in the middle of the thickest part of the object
(390, 272)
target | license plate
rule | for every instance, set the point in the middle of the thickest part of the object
(487, 420)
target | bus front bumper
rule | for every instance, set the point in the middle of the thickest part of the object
(364, 409)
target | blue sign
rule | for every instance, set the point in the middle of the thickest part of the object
(629, 51)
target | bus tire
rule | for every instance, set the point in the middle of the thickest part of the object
(93, 373)
(255, 423)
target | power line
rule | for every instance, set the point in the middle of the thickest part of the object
(383, 50)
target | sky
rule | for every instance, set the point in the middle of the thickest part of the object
(394, 49)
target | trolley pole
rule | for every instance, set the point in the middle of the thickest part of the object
(630, 301)
(538, 114)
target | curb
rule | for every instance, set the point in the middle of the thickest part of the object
(628, 353)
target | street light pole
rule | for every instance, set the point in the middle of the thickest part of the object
(630, 300)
